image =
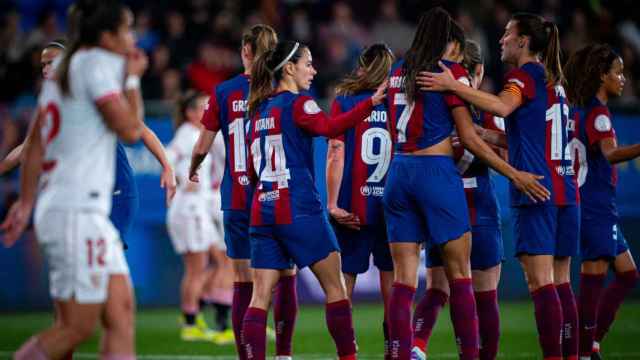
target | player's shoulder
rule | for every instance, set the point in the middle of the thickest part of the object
(236, 83)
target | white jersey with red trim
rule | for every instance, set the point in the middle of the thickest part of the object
(79, 163)
(179, 153)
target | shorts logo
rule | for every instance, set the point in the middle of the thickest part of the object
(269, 196)
(243, 180)
(367, 190)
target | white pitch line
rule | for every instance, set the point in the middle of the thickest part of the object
(615, 355)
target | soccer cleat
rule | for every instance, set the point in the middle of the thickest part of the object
(201, 323)
(271, 334)
(418, 354)
(283, 357)
(225, 337)
(194, 333)
(596, 355)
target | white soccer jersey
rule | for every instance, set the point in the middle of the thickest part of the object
(217, 155)
(79, 167)
(179, 153)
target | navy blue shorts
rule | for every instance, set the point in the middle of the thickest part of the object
(236, 234)
(424, 200)
(601, 239)
(306, 241)
(487, 249)
(357, 246)
(547, 230)
(123, 211)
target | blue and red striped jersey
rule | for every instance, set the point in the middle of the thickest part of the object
(367, 155)
(281, 135)
(478, 186)
(427, 121)
(226, 111)
(596, 176)
(538, 135)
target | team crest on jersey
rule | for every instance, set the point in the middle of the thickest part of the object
(243, 180)
(311, 107)
(368, 190)
(602, 123)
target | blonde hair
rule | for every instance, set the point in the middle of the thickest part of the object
(261, 38)
(373, 68)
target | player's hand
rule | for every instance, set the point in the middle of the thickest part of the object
(193, 175)
(168, 182)
(16, 221)
(137, 62)
(378, 97)
(345, 218)
(528, 183)
(430, 81)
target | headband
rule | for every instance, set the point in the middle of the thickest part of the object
(56, 44)
(286, 59)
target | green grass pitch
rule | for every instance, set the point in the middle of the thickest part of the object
(157, 335)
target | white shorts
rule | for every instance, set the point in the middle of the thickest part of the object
(190, 226)
(214, 204)
(83, 249)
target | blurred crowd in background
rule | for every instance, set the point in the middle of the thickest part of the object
(195, 43)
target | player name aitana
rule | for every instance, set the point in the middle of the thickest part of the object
(265, 123)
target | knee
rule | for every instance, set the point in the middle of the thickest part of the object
(242, 271)
(406, 274)
(537, 280)
(79, 333)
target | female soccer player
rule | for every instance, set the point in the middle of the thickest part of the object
(74, 144)
(189, 223)
(534, 105)
(288, 225)
(487, 251)
(227, 112)
(594, 75)
(357, 164)
(424, 197)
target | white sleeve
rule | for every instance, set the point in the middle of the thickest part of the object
(104, 77)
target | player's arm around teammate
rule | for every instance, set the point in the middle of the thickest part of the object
(288, 224)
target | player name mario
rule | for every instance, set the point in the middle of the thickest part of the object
(377, 117)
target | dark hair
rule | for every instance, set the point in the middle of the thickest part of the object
(187, 101)
(267, 70)
(544, 39)
(584, 71)
(435, 30)
(56, 44)
(373, 68)
(261, 38)
(472, 56)
(87, 20)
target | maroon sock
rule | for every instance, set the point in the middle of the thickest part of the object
(464, 318)
(590, 293)
(68, 356)
(285, 311)
(254, 334)
(385, 332)
(340, 325)
(548, 311)
(399, 317)
(570, 321)
(611, 300)
(425, 316)
(489, 323)
(242, 292)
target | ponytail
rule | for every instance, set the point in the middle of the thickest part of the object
(551, 54)
(262, 80)
(261, 38)
(544, 40)
(267, 71)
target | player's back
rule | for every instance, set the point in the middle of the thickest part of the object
(367, 156)
(79, 163)
(179, 151)
(226, 112)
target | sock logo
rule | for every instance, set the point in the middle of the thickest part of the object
(395, 349)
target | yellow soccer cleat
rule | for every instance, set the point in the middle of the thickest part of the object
(271, 334)
(201, 323)
(224, 337)
(194, 333)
